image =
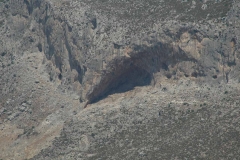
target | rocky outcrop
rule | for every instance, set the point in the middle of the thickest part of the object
(85, 46)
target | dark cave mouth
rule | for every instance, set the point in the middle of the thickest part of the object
(121, 82)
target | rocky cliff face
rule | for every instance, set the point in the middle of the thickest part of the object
(119, 79)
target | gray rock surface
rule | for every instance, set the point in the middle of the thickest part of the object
(110, 79)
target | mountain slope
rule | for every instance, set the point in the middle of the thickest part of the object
(119, 79)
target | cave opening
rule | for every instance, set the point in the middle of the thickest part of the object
(122, 81)
(124, 74)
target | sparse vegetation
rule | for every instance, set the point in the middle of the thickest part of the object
(1, 23)
(3, 54)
